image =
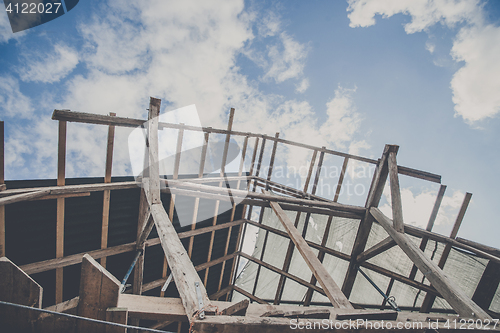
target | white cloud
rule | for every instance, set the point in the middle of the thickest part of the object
(50, 67)
(475, 86)
(286, 62)
(417, 208)
(13, 102)
(302, 87)
(430, 47)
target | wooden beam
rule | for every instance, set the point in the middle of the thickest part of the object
(397, 208)
(485, 248)
(376, 249)
(18, 287)
(238, 309)
(141, 224)
(119, 316)
(61, 179)
(429, 299)
(24, 197)
(247, 294)
(99, 290)
(455, 297)
(107, 193)
(333, 292)
(430, 224)
(2, 184)
(373, 199)
(341, 179)
(154, 167)
(487, 286)
(182, 268)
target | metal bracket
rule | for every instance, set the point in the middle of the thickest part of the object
(201, 315)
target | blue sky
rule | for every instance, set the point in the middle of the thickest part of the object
(349, 75)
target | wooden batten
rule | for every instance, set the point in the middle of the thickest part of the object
(453, 295)
(341, 179)
(61, 179)
(99, 290)
(2, 184)
(376, 249)
(107, 193)
(397, 208)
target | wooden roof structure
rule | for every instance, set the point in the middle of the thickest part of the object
(101, 295)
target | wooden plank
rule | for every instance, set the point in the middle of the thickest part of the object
(154, 168)
(23, 197)
(455, 297)
(107, 193)
(376, 249)
(18, 287)
(61, 179)
(429, 299)
(397, 208)
(341, 179)
(119, 316)
(373, 199)
(333, 292)
(487, 286)
(222, 292)
(485, 248)
(2, 184)
(247, 294)
(238, 309)
(430, 224)
(99, 290)
(141, 224)
(182, 268)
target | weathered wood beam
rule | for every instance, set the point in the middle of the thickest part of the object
(485, 248)
(17, 287)
(99, 290)
(61, 179)
(238, 309)
(373, 199)
(250, 296)
(182, 268)
(397, 207)
(430, 225)
(142, 221)
(107, 193)
(455, 297)
(154, 167)
(24, 196)
(324, 278)
(376, 249)
(341, 179)
(119, 316)
(429, 299)
(3, 187)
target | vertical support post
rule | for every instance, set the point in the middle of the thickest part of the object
(217, 203)
(154, 167)
(107, 193)
(430, 224)
(61, 176)
(257, 172)
(2, 181)
(397, 207)
(341, 179)
(429, 299)
(141, 223)
(373, 199)
(289, 251)
(487, 286)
